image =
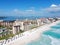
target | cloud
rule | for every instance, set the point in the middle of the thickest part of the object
(25, 12)
(15, 10)
(29, 10)
(53, 5)
(53, 10)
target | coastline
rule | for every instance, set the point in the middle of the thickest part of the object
(31, 35)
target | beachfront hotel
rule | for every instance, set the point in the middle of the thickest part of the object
(17, 26)
(6, 23)
(29, 22)
(20, 27)
(25, 25)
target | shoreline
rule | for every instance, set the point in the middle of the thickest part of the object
(32, 35)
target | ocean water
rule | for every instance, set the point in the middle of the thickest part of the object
(20, 17)
(50, 37)
(8, 18)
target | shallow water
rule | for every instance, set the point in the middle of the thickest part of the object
(50, 37)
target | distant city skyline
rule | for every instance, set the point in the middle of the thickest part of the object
(29, 7)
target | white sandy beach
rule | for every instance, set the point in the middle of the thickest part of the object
(31, 35)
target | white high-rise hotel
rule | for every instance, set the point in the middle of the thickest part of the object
(27, 24)
(17, 26)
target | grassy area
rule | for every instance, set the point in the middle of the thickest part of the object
(9, 28)
(34, 27)
(6, 37)
(10, 35)
(20, 32)
(6, 27)
(2, 26)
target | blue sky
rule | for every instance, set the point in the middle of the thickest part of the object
(29, 7)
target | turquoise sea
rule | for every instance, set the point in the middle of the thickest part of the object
(50, 37)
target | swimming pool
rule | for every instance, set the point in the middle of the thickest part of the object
(50, 37)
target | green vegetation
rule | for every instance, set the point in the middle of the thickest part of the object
(34, 27)
(20, 32)
(9, 28)
(2, 26)
(5, 27)
(6, 37)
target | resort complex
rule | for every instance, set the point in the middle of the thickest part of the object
(29, 22)
(11, 31)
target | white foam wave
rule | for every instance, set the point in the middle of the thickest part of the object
(54, 41)
(56, 31)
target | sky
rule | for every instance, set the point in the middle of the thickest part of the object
(29, 7)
